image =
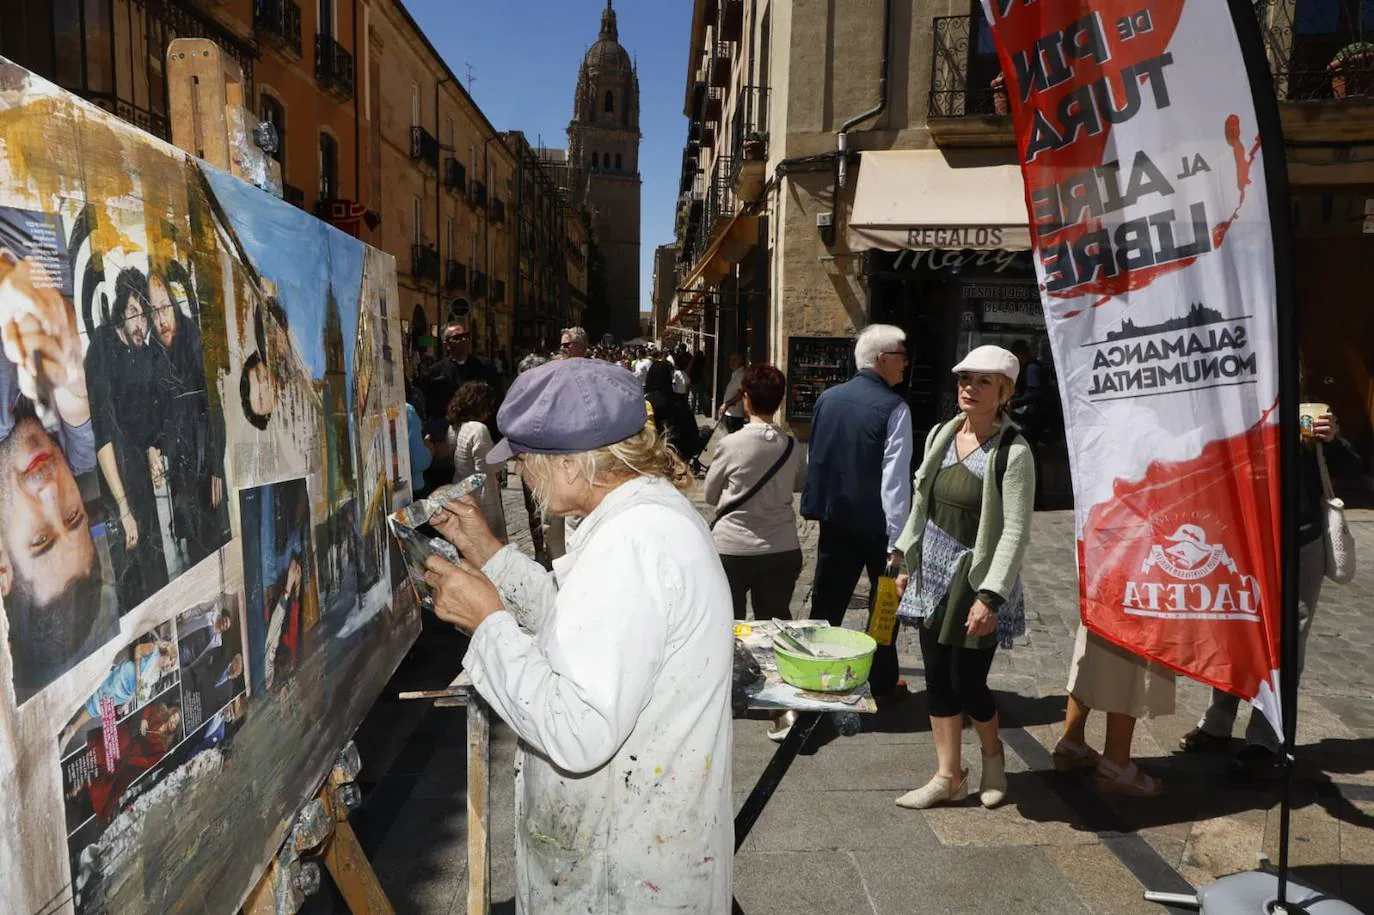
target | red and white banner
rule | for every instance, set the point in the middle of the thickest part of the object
(1149, 214)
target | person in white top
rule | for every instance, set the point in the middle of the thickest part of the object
(732, 407)
(470, 440)
(614, 669)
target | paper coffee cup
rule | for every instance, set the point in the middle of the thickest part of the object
(1307, 415)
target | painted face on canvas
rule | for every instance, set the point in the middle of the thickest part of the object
(163, 311)
(47, 535)
(136, 323)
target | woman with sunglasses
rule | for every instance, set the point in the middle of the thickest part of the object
(964, 541)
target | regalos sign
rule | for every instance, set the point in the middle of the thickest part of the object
(1140, 146)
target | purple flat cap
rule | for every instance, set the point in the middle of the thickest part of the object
(568, 406)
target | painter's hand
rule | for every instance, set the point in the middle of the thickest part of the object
(462, 596)
(39, 334)
(461, 524)
(981, 620)
(1325, 428)
(216, 491)
(902, 582)
(293, 579)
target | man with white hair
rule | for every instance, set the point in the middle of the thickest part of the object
(858, 485)
(573, 343)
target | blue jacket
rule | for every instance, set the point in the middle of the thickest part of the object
(845, 458)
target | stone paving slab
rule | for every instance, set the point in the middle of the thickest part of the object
(833, 841)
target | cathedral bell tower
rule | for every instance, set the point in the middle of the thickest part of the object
(603, 164)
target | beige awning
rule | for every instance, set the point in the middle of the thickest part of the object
(914, 199)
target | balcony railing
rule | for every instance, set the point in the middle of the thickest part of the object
(333, 67)
(424, 263)
(455, 175)
(1319, 50)
(479, 283)
(293, 195)
(278, 24)
(498, 210)
(424, 149)
(455, 275)
(477, 193)
(498, 292)
(720, 65)
(720, 198)
(962, 69)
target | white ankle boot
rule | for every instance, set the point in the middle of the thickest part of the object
(939, 790)
(992, 785)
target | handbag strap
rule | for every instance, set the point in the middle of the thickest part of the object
(754, 490)
(1327, 491)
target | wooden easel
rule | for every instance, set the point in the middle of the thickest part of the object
(459, 694)
(322, 831)
(210, 118)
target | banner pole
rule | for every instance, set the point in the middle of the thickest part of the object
(1251, 39)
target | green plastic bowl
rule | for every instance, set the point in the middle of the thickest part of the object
(845, 672)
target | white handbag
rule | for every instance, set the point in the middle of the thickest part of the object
(1339, 542)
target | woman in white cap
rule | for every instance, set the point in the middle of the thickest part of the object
(964, 540)
(615, 668)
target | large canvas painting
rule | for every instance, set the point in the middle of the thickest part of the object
(201, 435)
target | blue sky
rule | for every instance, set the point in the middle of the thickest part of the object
(274, 233)
(525, 56)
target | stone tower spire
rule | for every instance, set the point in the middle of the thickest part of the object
(603, 167)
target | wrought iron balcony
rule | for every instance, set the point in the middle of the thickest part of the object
(455, 275)
(424, 149)
(720, 65)
(278, 24)
(498, 210)
(1318, 51)
(455, 175)
(293, 195)
(498, 292)
(963, 68)
(479, 283)
(477, 193)
(333, 67)
(424, 263)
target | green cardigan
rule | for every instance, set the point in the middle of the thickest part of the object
(1004, 524)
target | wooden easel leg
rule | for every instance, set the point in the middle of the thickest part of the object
(262, 898)
(479, 808)
(344, 859)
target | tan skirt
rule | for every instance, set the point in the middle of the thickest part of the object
(1109, 678)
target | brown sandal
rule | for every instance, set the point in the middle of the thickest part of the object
(1130, 781)
(1073, 757)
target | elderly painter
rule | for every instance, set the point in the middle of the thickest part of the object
(614, 668)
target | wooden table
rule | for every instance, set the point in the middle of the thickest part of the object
(772, 695)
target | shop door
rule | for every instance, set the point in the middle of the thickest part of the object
(1336, 333)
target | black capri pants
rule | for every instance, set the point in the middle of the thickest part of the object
(957, 678)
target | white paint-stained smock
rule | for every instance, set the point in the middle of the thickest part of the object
(614, 670)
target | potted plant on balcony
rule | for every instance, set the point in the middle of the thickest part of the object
(755, 146)
(1352, 70)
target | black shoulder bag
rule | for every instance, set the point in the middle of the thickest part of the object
(754, 490)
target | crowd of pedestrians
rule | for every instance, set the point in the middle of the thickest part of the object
(629, 635)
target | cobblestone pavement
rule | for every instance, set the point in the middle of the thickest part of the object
(832, 840)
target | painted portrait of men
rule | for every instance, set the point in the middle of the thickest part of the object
(51, 580)
(191, 437)
(126, 433)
